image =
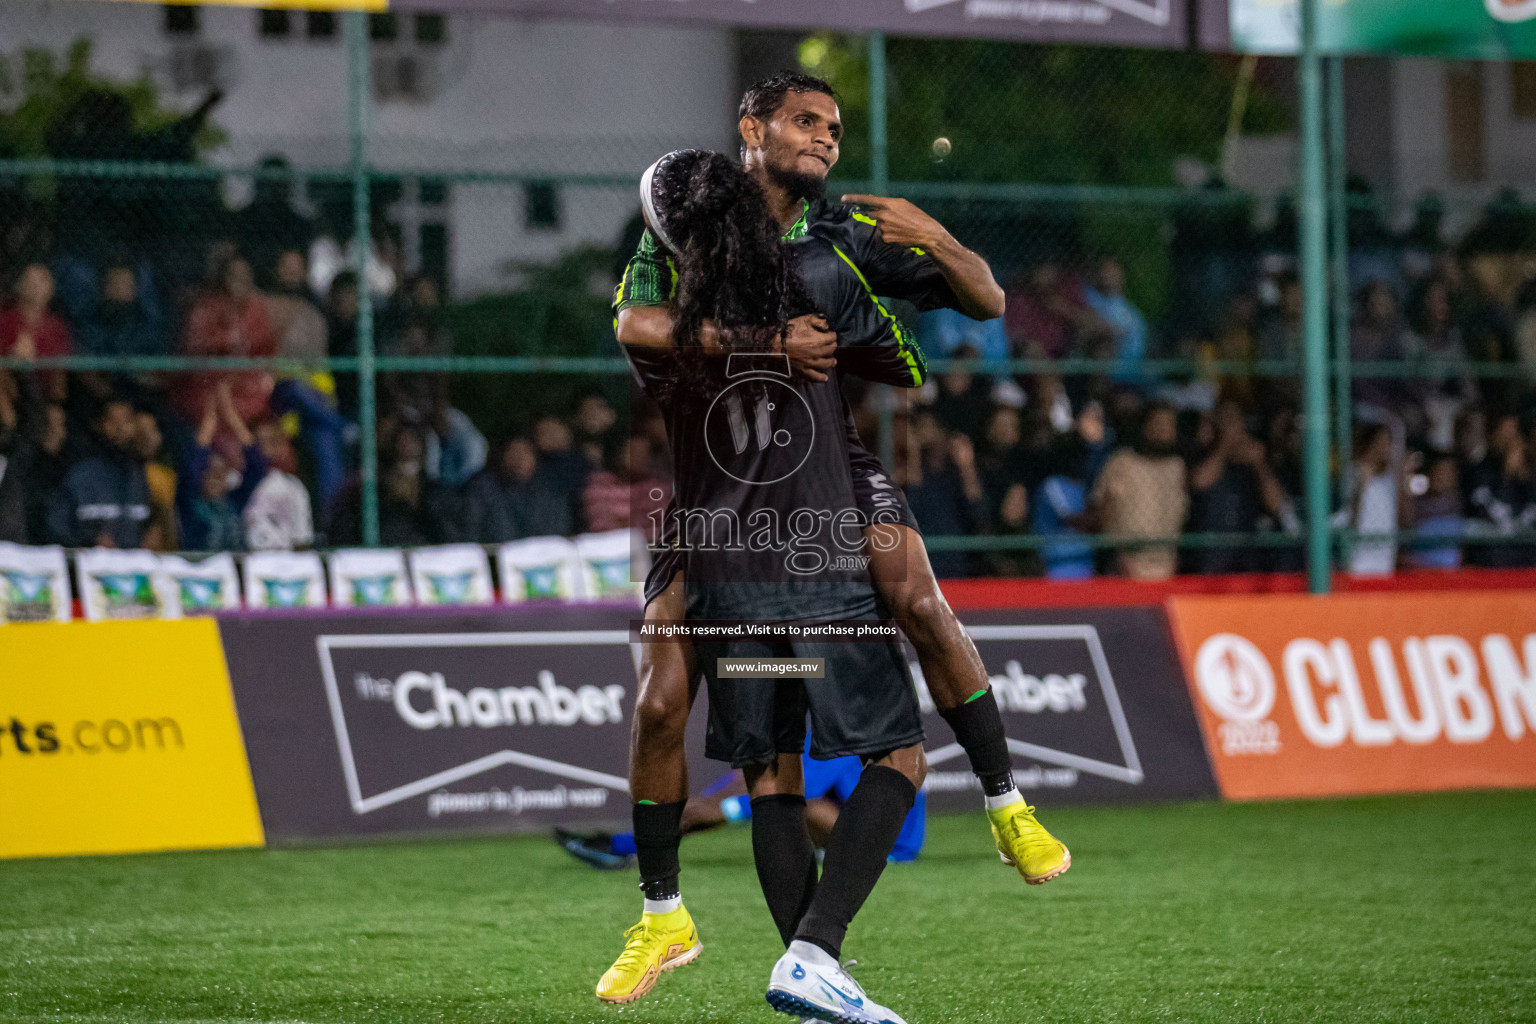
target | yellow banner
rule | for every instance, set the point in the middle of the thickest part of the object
(292, 5)
(120, 737)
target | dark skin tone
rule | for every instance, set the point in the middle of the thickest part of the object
(804, 135)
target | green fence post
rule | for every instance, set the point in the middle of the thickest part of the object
(879, 182)
(359, 95)
(1338, 194)
(1312, 198)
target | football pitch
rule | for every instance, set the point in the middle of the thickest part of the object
(1402, 909)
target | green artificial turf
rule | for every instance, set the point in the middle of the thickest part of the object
(1403, 909)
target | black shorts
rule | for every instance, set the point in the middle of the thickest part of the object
(878, 497)
(866, 704)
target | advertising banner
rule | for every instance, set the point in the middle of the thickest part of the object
(1121, 22)
(120, 737)
(124, 585)
(452, 574)
(284, 579)
(442, 720)
(1094, 705)
(1488, 29)
(1307, 697)
(34, 584)
(202, 587)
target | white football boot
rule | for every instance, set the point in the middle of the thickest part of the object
(808, 983)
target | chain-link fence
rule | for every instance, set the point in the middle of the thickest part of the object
(409, 313)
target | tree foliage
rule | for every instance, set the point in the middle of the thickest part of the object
(1049, 114)
(57, 105)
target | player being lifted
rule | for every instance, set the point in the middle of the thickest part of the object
(791, 129)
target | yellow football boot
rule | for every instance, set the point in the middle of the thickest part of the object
(1023, 843)
(658, 943)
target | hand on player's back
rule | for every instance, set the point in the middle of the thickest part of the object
(811, 346)
(900, 222)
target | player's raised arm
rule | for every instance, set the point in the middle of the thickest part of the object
(899, 223)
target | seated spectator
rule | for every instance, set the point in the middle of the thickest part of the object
(1232, 489)
(1002, 461)
(1437, 516)
(456, 449)
(944, 490)
(1373, 501)
(1141, 494)
(123, 322)
(630, 493)
(104, 499)
(1125, 321)
(598, 434)
(213, 492)
(964, 398)
(230, 320)
(1503, 496)
(148, 442)
(278, 516)
(1378, 335)
(30, 330)
(1011, 519)
(414, 510)
(512, 499)
(1447, 387)
(23, 424)
(301, 332)
(341, 310)
(560, 464)
(1048, 316)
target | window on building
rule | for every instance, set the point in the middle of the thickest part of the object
(541, 205)
(182, 19)
(321, 25)
(433, 191)
(272, 24)
(1522, 89)
(383, 28)
(1464, 120)
(431, 29)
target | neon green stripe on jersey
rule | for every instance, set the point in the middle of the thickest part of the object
(916, 364)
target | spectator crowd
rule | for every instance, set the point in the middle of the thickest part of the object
(1116, 472)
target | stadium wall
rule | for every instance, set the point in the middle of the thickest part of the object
(124, 736)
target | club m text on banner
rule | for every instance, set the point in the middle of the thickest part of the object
(435, 720)
(1117, 22)
(120, 737)
(1386, 693)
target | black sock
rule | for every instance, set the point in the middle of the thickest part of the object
(785, 858)
(861, 840)
(978, 728)
(658, 833)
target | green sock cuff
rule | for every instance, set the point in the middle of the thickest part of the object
(648, 803)
(975, 695)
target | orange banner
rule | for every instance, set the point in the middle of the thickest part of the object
(1303, 696)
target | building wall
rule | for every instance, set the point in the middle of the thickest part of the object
(508, 94)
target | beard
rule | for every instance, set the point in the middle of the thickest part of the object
(798, 184)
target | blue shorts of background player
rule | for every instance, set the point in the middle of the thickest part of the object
(824, 780)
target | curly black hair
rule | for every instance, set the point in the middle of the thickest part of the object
(764, 99)
(732, 267)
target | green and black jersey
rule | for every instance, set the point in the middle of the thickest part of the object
(881, 269)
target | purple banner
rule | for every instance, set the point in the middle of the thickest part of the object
(1162, 23)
